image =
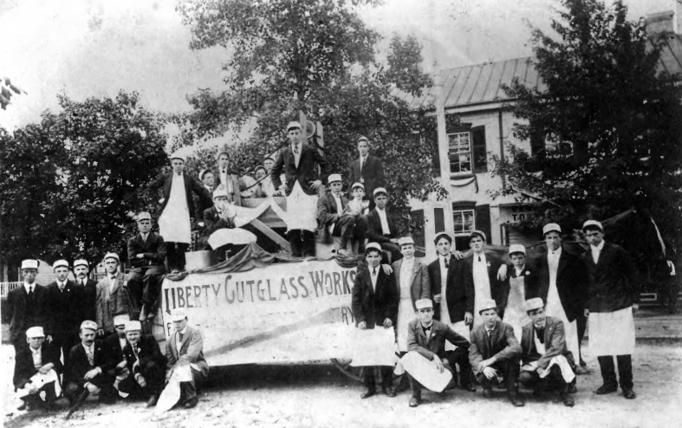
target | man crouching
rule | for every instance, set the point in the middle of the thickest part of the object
(547, 363)
(145, 363)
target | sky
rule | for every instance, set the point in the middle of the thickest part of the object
(86, 48)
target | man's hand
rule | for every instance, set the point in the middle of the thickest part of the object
(388, 323)
(387, 269)
(489, 372)
(90, 374)
(48, 338)
(140, 256)
(32, 389)
(315, 184)
(46, 368)
(468, 318)
(100, 332)
(362, 325)
(458, 254)
(439, 363)
(586, 313)
(140, 380)
(502, 272)
(436, 298)
(489, 362)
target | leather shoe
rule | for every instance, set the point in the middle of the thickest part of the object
(367, 393)
(414, 401)
(629, 394)
(517, 401)
(389, 391)
(572, 389)
(192, 402)
(152, 401)
(487, 392)
(606, 389)
(567, 399)
(469, 387)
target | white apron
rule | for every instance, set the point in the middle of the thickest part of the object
(555, 309)
(405, 309)
(558, 360)
(514, 313)
(481, 288)
(174, 224)
(612, 333)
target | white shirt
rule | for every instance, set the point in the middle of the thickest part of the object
(296, 150)
(519, 271)
(112, 282)
(596, 251)
(384, 222)
(37, 357)
(374, 275)
(144, 236)
(29, 287)
(122, 341)
(339, 204)
(90, 353)
(61, 285)
(444, 312)
(178, 342)
(406, 268)
(553, 263)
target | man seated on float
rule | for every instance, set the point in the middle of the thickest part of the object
(220, 216)
(427, 337)
(358, 208)
(380, 225)
(36, 371)
(332, 216)
(547, 362)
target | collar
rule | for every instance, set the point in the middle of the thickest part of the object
(427, 327)
(28, 286)
(556, 252)
(481, 255)
(598, 247)
(36, 351)
(519, 272)
(380, 211)
(61, 284)
(183, 331)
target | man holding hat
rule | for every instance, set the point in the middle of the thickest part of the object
(332, 216)
(177, 210)
(26, 305)
(112, 295)
(145, 363)
(36, 369)
(453, 295)
(380, 225)
(65, 308)
(495, 352)
(428, 337)
(86, 372)
(81, 269)
(184, 353)
(546, 360)
(366, 169)
(375, 303)
(562, 284)
(613, 294)
(146, 254)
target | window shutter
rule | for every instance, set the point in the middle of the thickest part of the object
(439, 219)
(482, 218)
(479, 152)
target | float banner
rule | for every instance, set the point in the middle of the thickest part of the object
(284, 312)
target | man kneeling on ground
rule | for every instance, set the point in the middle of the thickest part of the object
(146, 365)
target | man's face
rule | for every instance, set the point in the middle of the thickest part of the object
(110, 265)
(381, 200)
(120, 330)
(476, 244)
(208, 179)
(363, 148)
(553, 240)
(268, 164)
(223, 161)
(220, 202)
(518, 259)
(294, 136)
(62, 273)
(358, 193)
(29, 275)
(425, 315)
(260, 173)
(133, 336)
(335, 187)
(407, 250)
(489, 317)
(373, 258)
(35, 342)
(180, 325)
(87, 336)
(443, 247)
(178, 166)
(144, 225)
(80, 271)
(538, 317)
(594, 237)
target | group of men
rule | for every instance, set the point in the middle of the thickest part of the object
(505, 323)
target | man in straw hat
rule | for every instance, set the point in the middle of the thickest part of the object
(494, 353)
(26, 305)
(613, 293)
(145, 363)
(65, 308)
(112, 295)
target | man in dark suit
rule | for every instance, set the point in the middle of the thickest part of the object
(613, 293)
(113, 345)
(146, 254)
(26, 305)
(145, 363)
(332, 216)
(81, 269)
(85, 373)
(65, 308)
(547, 363)
(453, 295)
(177, 210)
(495, 351)
(375, 303)
(36, 369)
(427, 337)
(366, 169)
(381, 226)
(229, 179)
(562, 284)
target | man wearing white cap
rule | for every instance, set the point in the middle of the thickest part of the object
(562, 284)
(113, 345)
(332, 216)
(36, 369)
(65, 308)
(221, 215)
(547, 363)
(381, 226)
(146, 365)
(146, 255)
(177, 210)
(81, 269)
(521, 283)
(613, 293)
(184, 351)
(495, 352)
(26, 305)
(112, 295)
(366, 169)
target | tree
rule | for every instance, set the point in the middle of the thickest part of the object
(7, 91)
(609, 119)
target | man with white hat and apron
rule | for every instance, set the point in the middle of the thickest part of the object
(26, 305)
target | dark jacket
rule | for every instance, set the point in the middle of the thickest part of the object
(118, 302)
(237, 186)
(23, 363)
(433, 346)
(24, 311)
(530, 283)
(503, 344)
(153, 249)
(374, 227)
(372, 306)
(612, 284)
(113, 351)
(213, 221)
(78, 363)
(148, 352)
(554, 340)
(459, 290)
(372, 174)
(496, 286)
(191, 185)
(327, 214)
(89, 311)
(65, 308)
(305, 173)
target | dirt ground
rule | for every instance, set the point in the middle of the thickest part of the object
(319, 396)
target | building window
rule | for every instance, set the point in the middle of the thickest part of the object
(460, 152)
(463, 221)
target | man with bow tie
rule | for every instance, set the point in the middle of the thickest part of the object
(229, 179)
(81, 269)
(145, 363)
(26, 305)
(427, 337)
(366, 169)
(112, 295)
(65, 307)
(146, 254)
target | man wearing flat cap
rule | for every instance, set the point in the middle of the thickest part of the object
(146, 255)
(26, 305)
(613, 292)
(177, 210)
(367, 169)
(547, 363)
(36, 370)
(145, 363)
(427, 337)
(112, 295)
(381, 226)
(495, 352)
(65, 303)
(113, 345)
(81, 270)
(332, 215)
(562, 284)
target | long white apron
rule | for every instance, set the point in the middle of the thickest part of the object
(514, 312)
(174, 224)
(481, 288)
(555, 309)
(405, 309)
(612, 333)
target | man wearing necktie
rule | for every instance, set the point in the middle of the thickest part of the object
(146, 365)
(366, 169)
(112, 295)
(26, 305)
(375, 304)
(81, 270)
(228, 178)
(65, 303)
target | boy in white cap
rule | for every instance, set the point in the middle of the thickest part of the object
(146, 365)
(521, 283)
(112, 295)
(495, 353)
(367, 169)
(381, 226)
(613, 293)
(65, 308)
(81, 269)
(184, 351)
(36, 369)
(26, 305)
(331, 214)
(547, 363)
(427, 337)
